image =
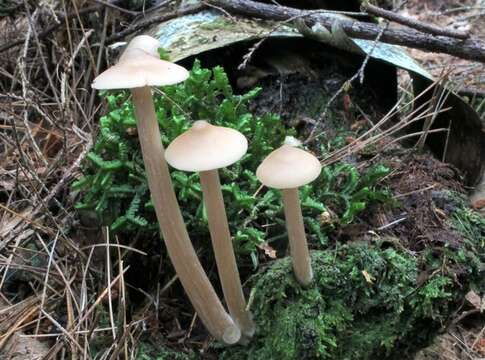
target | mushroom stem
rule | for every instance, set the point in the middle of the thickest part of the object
(224, 251)
(180, 249)
(297, 238)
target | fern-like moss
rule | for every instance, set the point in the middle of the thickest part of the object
(114, 184)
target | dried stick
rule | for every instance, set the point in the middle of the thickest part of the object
(155, 20)
(113, 6)
(469, 49)
(68, 174)
(25, 83)
(413, 23)
(48, 31)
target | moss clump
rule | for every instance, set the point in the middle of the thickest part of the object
(148, 351)
(115, 192)
(365, 303)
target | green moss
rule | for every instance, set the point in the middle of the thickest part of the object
(365, 303)
(147, 351)
(470, 224)
(115, 191)
(217, 24)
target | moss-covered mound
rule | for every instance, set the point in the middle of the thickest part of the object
(366, 302)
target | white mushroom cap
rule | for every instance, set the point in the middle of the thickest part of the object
(206, 147)
(138, 68)
(145, 43)
(288, 167)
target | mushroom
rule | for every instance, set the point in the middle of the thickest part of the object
(145, 43)
(205, 148)
(138, 70)
(287, 168)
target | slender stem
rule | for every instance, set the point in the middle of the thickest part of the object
(180, 249)
(296, 233)
(224, 252)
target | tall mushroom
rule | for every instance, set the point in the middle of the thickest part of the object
(205, 148)
(287, 168)
(138, 70)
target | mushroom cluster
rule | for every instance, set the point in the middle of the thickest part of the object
(138, 69)
(204, 149)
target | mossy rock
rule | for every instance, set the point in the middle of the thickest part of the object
(366, 302)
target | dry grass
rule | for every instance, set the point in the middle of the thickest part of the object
(48, 116)
(54, 275)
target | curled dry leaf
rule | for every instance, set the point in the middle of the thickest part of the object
(268, 250)
(480, 346)
(368, 277)
(479, 204)
(474, 299)
(8, 223)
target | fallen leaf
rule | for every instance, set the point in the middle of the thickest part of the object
(478, 204)
(474, 299)
(268, 250)
(326, 218)
(368, 277)
(349, 139)
(359, 124)
(480, 346)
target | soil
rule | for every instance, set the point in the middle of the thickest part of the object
(421, 183)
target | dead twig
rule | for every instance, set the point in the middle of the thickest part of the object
(113, 6)
(412, 23)
(470, 49)
(155, 20)
(48, 31)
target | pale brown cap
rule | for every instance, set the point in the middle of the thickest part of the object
(206, 147)
(138, 68)
(288, 167)
(145, 43)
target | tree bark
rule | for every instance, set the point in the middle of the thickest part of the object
(469, 49)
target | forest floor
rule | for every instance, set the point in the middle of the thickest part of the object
(466, 339)
(48, 122)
